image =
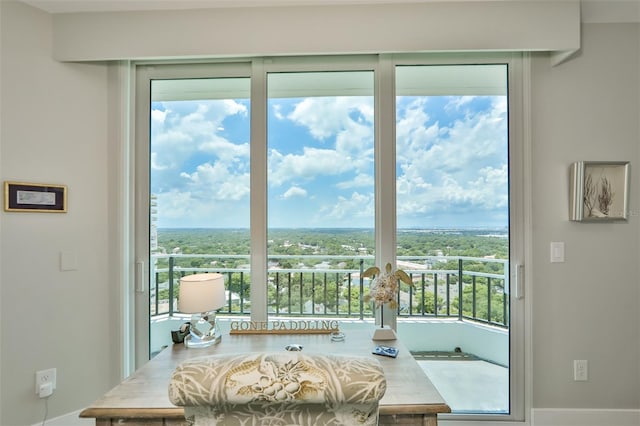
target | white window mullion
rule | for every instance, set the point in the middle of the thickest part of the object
(385, 154)
(139, 294)
(258, 154)
(520, 221)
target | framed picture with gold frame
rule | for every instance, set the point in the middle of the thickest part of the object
(599, 191)
(34, 197)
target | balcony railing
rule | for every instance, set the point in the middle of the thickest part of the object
(333, 285)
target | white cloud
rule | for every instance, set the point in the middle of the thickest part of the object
(357, 207)
(175, 204)
(450, 161)
(413, 121)
(359, 181)
(347, 120)
(188, 134)
(154, 163)
(184, 208)
(169, 148)
(326, 116)
(312, 163)
(190, 126)
(457, 102)
(490, 189)
(158, 116)
(277, 112)
(225, 150)
(460, 168)
(294, 191)
(217, 182)
(488, 192)
(355, 140)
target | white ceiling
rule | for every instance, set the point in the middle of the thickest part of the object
(592, 10)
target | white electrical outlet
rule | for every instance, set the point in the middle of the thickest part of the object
(580, 370)
(45, 382)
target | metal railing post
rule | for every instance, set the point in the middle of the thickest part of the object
(241, 292)
(473, 297)
(337, 295)
(277, 293)
(301, 293)
(505, 300)
(361, 289)
(156, 286)
(460, 289)
(313, 294)
(436, 308)
(171, 298)
(349, 294)
(448, 294)
(489, 299)
(289, 284)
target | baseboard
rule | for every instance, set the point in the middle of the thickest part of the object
(539, 417)
(559, 417)
(584, 417)
(69, 419)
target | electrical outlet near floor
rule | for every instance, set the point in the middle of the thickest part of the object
(45, 382)
(580, 370)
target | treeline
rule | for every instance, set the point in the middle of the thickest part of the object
(332, 242)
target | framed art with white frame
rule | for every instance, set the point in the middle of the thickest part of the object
(599, 191)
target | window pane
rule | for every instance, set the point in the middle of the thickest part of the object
(453, 225)
(199, 173)
(321, 190)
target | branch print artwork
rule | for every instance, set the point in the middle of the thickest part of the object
(600, 193)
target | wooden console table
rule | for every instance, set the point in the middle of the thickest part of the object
(142, 398)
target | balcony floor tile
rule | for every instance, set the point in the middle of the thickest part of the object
(473, 386)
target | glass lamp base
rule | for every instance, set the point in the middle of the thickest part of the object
(203, 331)
(191, 341)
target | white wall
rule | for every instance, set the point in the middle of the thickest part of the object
(588, 307)
(54, 130)
(356, 28)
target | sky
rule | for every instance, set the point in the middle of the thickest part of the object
(451, 162)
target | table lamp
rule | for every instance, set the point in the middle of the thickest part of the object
(201, 295)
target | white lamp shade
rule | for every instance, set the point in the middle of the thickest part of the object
(201, 293)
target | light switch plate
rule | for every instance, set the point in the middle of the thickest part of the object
(557, 252)
(68, 261)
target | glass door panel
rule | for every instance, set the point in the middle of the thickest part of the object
(321, 199)
(452, 189)
(199, 192)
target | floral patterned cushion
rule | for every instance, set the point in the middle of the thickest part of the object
(279, 388)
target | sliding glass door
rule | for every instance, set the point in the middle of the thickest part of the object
(291, 176)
